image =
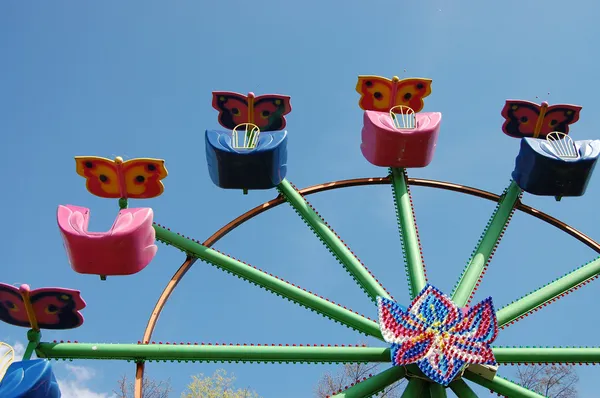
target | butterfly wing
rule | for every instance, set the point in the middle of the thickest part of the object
(375, 93)
(142, 177)
(521, 118)
(12, 307)
(101, 174)
(57, 308)
(558, 118)
(232, 107)
(270, 110)
(410, 92)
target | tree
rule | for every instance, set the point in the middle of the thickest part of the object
(151, 388)
(553, 381)
(219, 385)
(351, 373)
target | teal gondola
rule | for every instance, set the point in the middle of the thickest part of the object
(558, 168)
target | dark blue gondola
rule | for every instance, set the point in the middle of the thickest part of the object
(262, 167)
(253, 154)
(549, 169)
(31, 379)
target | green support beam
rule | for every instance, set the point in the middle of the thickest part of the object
(212, 353)
(461, 389)
(502, 386)
(374, 384)
(437, 391)
(415, 269)
(547, 354)
(414, 388)
(547, 293)
(353, 265)
(33, 336)
(487, 244)
(271, 283)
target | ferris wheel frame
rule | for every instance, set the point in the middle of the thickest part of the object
(146, 350)
(339, 184)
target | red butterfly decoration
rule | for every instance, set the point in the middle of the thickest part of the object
(528, 119)
(381, 94)
(54, 308)
(266, 111)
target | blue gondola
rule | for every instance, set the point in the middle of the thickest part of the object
(29, 379)
(262, 167)
(541, 170)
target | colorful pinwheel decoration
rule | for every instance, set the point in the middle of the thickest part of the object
(437, 335)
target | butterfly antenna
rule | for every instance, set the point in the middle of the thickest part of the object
(537, 97)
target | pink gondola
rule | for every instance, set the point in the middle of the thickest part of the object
(127, 248)
(388, 144)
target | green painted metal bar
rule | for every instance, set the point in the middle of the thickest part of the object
(353, 265)
(547, 354)
(269, 282)
(462, 389)
(414, 388)
(489, 240)
(425, 393)
(415, 269)
(437, 391)
(33, 336)
(549, 292)
(374, 384)
(502, 386)
(29, 350)
(211, 353)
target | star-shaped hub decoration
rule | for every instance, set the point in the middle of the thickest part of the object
(437, 335)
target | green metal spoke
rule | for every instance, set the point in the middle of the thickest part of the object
(411, 248)
(212, 353)
(488, 242)
(540, 355)
(414, 388)
(462, 389)
(548, 293)
(352, 264)
(269, 282)
(437, 391)
(29, 351)
(373, 384)
(33, 336)
(502, 386)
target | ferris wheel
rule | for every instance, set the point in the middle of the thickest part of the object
(439, 341)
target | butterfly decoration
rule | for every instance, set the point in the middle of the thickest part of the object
(437, 335)
(265, 111)
(138, 178)
(381, 94)
(52, 308)
(528, 119)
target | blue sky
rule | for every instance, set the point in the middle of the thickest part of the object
(135, 78)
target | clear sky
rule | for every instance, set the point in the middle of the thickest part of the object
(135, 78)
